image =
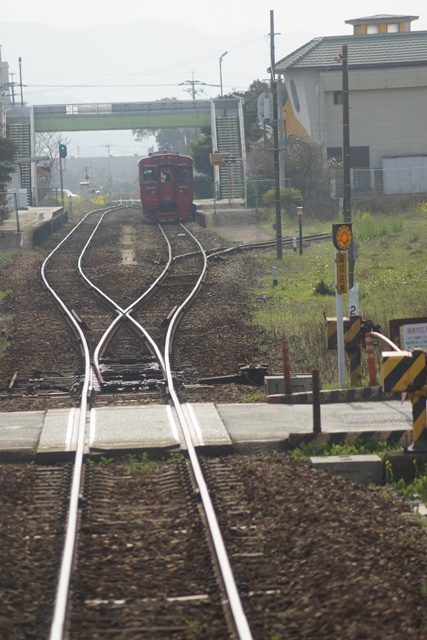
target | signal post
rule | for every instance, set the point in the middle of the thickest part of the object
(342, 237)
(62, 154)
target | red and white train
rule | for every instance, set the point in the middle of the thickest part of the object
(166, 186)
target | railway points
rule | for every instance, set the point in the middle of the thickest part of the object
(210, 427)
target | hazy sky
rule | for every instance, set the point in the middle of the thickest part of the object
(161, 46)
(216, 17)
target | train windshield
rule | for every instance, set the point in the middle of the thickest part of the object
(183, 174)
(148, 174)
(166, 174)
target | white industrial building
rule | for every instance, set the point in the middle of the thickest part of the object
(387, 80)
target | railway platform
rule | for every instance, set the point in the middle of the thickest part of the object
(232, 220)
(28, 228)
(46, 436)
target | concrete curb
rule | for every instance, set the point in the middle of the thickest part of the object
(394, 437)
(360, 394)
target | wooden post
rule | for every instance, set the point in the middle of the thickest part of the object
(371, 360)
(315, 382)
(286, 367)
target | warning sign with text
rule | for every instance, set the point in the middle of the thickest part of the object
(414, 336)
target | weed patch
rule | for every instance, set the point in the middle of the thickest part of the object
(360, 446)
(390, 271)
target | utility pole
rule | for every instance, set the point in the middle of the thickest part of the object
(281, 133)
(346, 157)
(194, 83)
(12, 85)
(279, 249)
(20, 81)
(220, 70)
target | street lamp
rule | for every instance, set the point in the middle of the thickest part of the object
(220, 69)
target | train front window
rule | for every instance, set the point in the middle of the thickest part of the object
(165, 174)
(183, 174)
(148, 175)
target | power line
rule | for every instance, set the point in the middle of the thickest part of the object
(164, 68)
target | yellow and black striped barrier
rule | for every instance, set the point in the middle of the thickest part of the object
(405, 371)
(352, 333)
(352, 344)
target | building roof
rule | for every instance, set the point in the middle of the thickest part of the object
(376, 50)
(382, 17)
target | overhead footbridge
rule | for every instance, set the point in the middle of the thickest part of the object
(122, 115)
(223, 115)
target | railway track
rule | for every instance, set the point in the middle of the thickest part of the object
(116, 265)
(179, 291)
(115, 340)
(293, 538)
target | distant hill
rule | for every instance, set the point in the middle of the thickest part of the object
(159, 55)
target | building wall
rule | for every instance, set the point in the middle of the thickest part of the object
(387, 109)
(390, 122)
(301, 89)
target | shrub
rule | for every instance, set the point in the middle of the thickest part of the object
(290, 199)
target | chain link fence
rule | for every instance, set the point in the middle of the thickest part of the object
(369, 183)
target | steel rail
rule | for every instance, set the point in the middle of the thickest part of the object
(57, 629)
(239, 619)
(124, 314)
(238, 615)
(267, 244)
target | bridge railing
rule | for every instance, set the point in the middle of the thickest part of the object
(125, 108)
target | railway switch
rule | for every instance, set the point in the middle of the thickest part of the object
(405, 371)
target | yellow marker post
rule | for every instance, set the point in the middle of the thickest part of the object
(342, 279)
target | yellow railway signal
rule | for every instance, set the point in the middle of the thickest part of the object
(342, 236)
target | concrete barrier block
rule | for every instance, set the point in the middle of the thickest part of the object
(366, 469)
(275, 385)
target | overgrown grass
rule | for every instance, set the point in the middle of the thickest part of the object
(390, 271)
(139, 463)
(5, 257)
(415, 490)
(360, 446)
(5, 294)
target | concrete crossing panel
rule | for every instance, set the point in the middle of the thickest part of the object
(127, 428)
(19, 435)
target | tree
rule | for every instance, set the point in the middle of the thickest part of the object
(47, 144)
(308, 172)
(7, 158)
(200, 152)
(203, 180)
(260, 171)
(177, 139)
(8, 152)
